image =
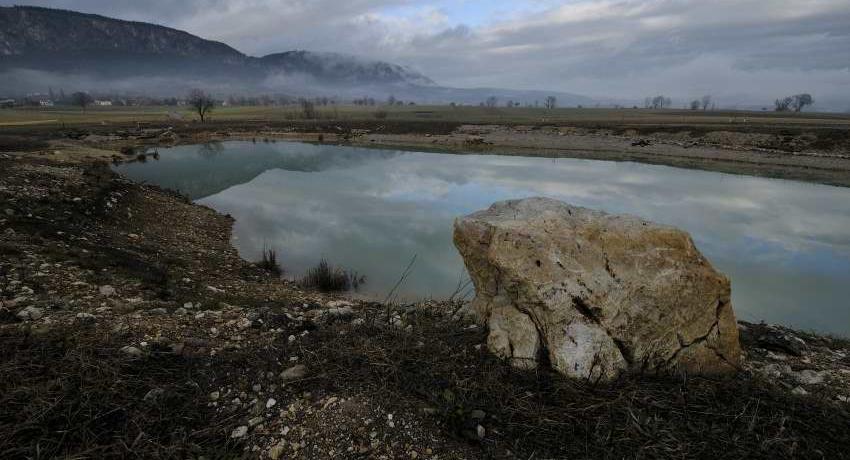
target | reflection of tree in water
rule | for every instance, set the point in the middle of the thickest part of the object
(210, 150)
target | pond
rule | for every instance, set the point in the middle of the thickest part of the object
(784, 244)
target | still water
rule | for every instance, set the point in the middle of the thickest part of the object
(785, 244)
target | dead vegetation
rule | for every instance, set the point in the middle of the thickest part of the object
(269, 262)
(21, 144)
(443, 367)
(325, 277)
(73, 394)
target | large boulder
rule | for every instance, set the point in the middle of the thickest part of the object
(599, 294)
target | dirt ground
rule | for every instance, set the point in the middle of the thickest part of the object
(130, 327)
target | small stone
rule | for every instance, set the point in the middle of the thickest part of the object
(276, 452)
(244, 323)
(180, 312)
(809, 377)
(271, 403)
(255, 421)
(478, 414)
(239, 432)
(294, 373)
(157, 312)
(800, 391)
(30, 314)
(10, 212)
(154, 394)
(86, 318)
(480, 431)
(215, 395)
(132, 351)
(107, 291)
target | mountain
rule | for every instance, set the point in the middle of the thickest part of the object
(42, 47)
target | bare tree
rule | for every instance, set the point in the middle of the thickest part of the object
(551, 102)
(659, 102)
(391, 100)
(695, 104)
(801, 101)
(81, 99)
(796, 103)
(706, 101)
(201, 102)
(782, 105)
(491, 101)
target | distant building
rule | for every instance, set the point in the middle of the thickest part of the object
(46, 103)
(7, 103)
(103, 103)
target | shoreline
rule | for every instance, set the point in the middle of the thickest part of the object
(765, 152)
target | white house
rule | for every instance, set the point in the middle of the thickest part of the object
(103, 103)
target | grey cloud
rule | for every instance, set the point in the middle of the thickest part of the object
(608, 48)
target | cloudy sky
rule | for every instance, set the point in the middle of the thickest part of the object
(747, 51)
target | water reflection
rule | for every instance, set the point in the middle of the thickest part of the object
(786, 245)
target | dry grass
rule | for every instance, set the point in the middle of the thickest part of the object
(21, 144)
(73, 394)
(542, 415)
(269, 262)
(327, 278)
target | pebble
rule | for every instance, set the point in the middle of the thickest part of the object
(239, 432)
(809, 377)
(276, 452)
(86, 318)
(30, 313)
(107, 291)
(215, 395)
(131, 351)
(271, 403)
(799, 391)
(294, 373)
(255, 421)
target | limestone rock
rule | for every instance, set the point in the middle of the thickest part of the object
(600, 294)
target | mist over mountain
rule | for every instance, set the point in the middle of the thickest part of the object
(42, 47)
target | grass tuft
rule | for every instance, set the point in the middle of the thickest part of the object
(327, 278)
(269, 262)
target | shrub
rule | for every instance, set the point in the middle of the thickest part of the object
(327, 278)
(269, 262)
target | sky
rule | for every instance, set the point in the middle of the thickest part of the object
(741, 51)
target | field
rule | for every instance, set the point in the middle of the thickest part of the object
(66, 116)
